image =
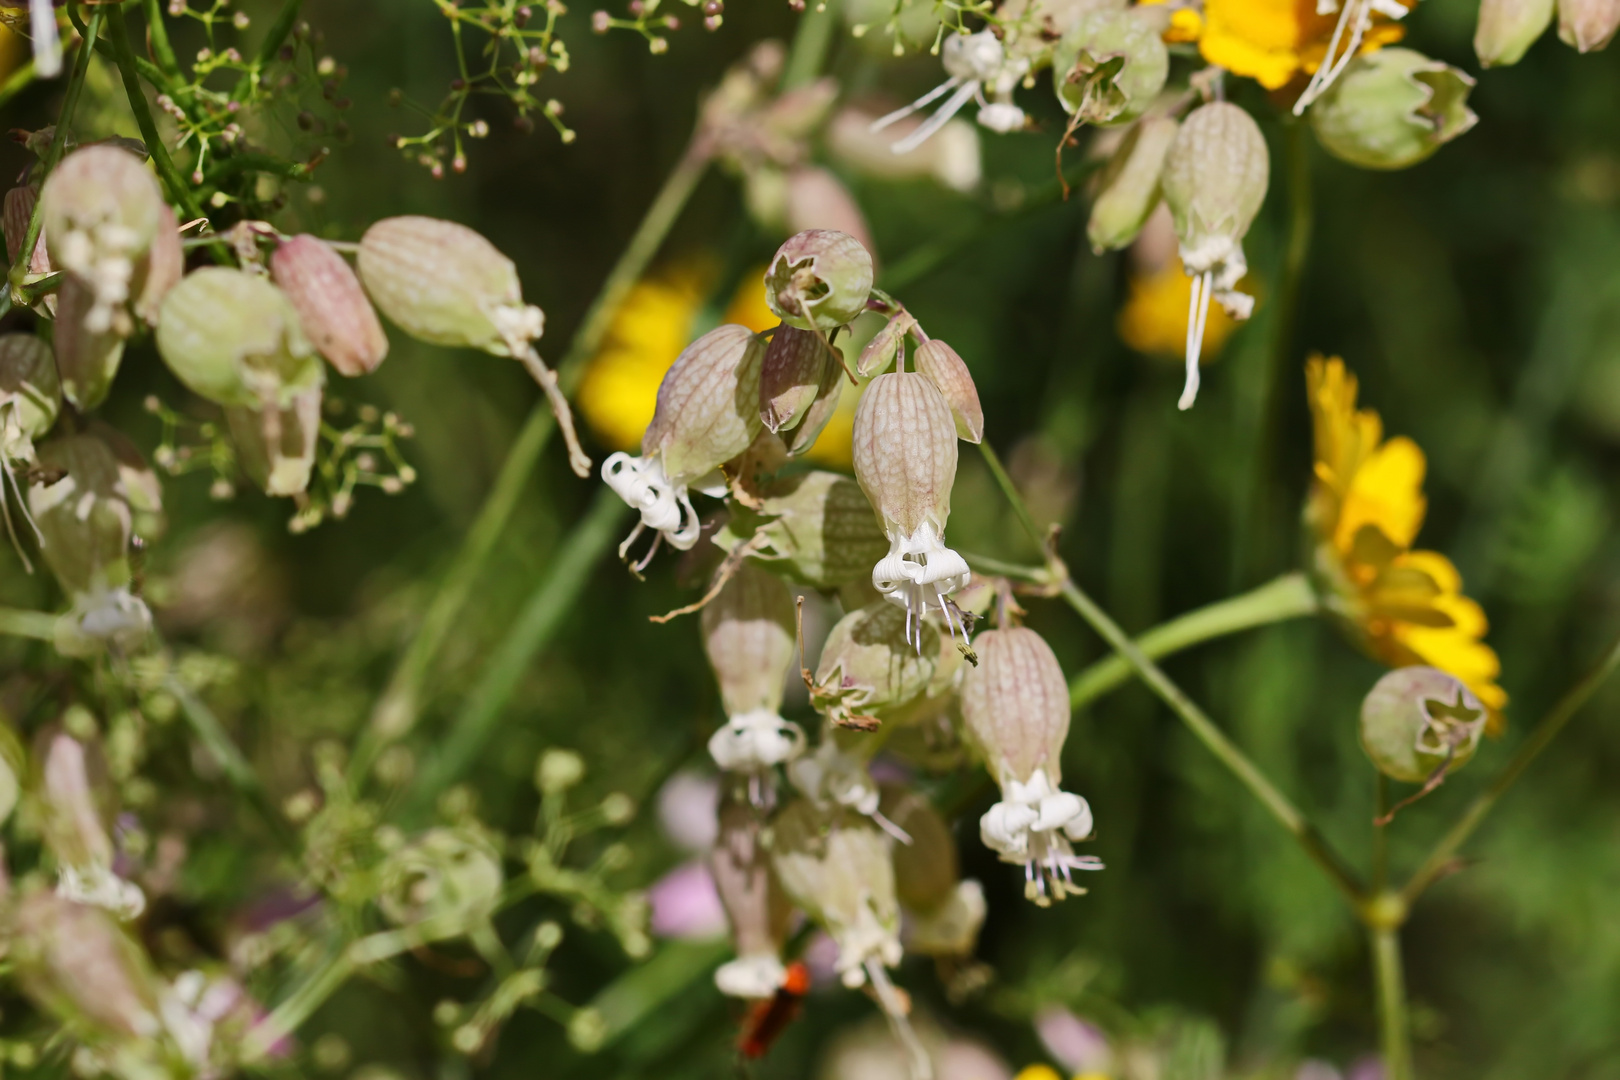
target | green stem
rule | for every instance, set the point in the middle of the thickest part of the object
(1393, 1029)
(238, 771)
(279, 29)
(1020, 510)
(1287, 597)
(29, 624)
(810, 44)
(157, 34)
(179, 190)
(287, 1017)
(400, 705)
(542, 616)
(1440, 860)
(53, 154)
(1380, 845)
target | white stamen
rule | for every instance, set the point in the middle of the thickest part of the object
(919, 573)
(1197, 318)
(906, 110)
(894, 1008)
(47, 42)
(964, 94)
(1357, 16)
(665, 508)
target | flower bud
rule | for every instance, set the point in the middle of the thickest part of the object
(1016, 707)
(817, 529)
(748, 635)
(791, 377)
(18, 211)
(1215, 178)
(75, 828)
(332, 307)
(233, 338)
(1507, 29)
(952, 379)
(1129, 189)
(836, 867)
(905, 461)
(445, 284)
(1588, 25)
(1418, 721)
(277, 449)
(1111, 66)
(874, 663)
(1392, 108)
(76, 964)
(30, 395)
(87, 358)
(450, 874)
(880, 353)
(819, 280)
(945, 912)
(707, 414)
(757, 909)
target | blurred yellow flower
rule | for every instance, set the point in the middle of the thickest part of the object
(1038, 1072)
(1272, 41)
(1154, 318)
(12, 51)
(656, 321)
(1366, 505)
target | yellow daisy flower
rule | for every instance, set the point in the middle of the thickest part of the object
(656, 321)
(1274, 41)
(1366, 506)
(1154, 318)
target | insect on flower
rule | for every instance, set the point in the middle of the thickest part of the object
(767, 1019)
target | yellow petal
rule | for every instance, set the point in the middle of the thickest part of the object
(1154, 318)
(1387, 492)
(1256, 38)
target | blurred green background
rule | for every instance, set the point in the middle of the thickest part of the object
(1477, 296)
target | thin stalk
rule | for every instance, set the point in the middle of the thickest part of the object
(157, 37)
(1287, 597)
(542, 616)
(400, 705)
(1003, 481)
(1393, 1030)
(53, 154)
(810, 44)
(280, 27)
(1380, 844)
(28, 624)
(179, 190)
(290, 1015)
(1545, 731)
(238, 771)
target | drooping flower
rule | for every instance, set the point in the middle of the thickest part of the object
(974, 64)
(1366, 504)
(1156, 313)
(748, 636)
(756, 908)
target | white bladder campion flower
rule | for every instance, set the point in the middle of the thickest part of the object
(758, 912)
(974, 63)
(748, 635)
(1016, 706)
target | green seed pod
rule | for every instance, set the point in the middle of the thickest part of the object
(1215, 178)
(1111, 66)
(1507, 29)
(234, 339)
(836, 867)
(708, 405)
(278, 450)
(819, 279)
(817, 527)
(1129, 189)
(1417, 720)
(791, 377)
(83, 516)
(87, 358)
(101, 206)
(1588, 25)
(868, 668)
(444, 283)
(756, 907)
(1392, 108)
(77, 965)
(449, 874)
(332, 307)
(950, 376)
(30, 394)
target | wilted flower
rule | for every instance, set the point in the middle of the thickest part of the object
(450, 874)
(1507, 28)
(756, 908)
(799, 384)
(332, 307)
(875, 662)
(819, 280)
(234, 339)
(707, 414)
(1393, 109)
(1215, 179)
(748, 635)
(278, 452)
(1419, 724)
(1588, 25)
(1016, 706)
(973, 63)
(18, 211)
(1111, 66)
(1366, 505)
(77, 834)
(1128, 191)
(30, 397)
(905, 461)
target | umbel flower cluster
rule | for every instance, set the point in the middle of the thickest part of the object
(805, 825)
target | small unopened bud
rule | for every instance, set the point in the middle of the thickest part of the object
(1215, 178)
(449, 873)
(1588, 25)
(76, 829)
(875, 662)
(836, 867)
(1111, 66)
(444, 283)
(945, 912)
(76, 964)
(950, 376)
(1419, 722)
(1393, 108)
(756, 908)
(87, 358)
(332, 307)
(748, 636)
(278, 451)
(790, 378)
(30, 395)
(558, 770)
(819, 280)
(1129, 189)
(818, 529)
(232, 338)
(1016, 707)
(905, 460)
(1507, 29)
(880, 353)
(18, 210)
